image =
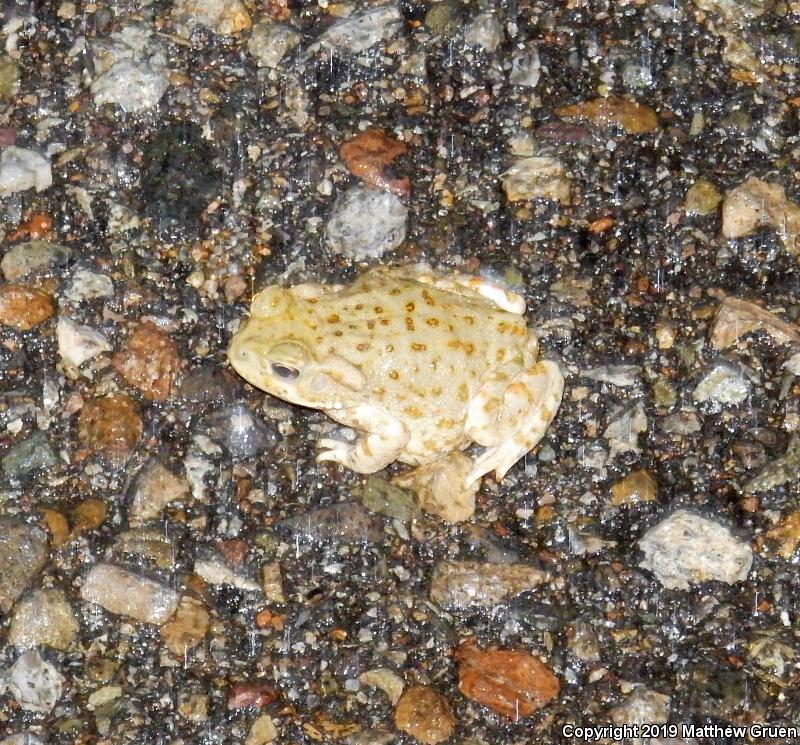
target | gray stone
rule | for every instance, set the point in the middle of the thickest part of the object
(526, 69)
(346, 522)
(685, 549)
(127, 594)
(642, 707)
(366, 223)
(44, 618)
(459, 585)
(87, 285)
(269, 43)
(624, 429)
(23, 554)
(22, 169)
(33, 257)
(484, 31)
(27, 456)
(360, 31)
(35, 683)
(621, 376)
(132, 69)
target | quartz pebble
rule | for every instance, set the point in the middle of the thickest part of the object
(270, 42)
(361, 30)
(124, 593)
(536, 178)
(35, 683)
(22, 169)
(78, 343)
(685, 549)
(366, 223)
(222, 17)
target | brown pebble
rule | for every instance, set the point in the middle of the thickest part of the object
(425, 714)
(110, 426)
(513, 683)
(23, 307)
(88, 515)
(638, 486)
(149, 362)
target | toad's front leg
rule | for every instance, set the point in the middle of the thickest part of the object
(384, 439)
(511, 420)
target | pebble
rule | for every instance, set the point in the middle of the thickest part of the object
(22, 739)
(149, 362)
(156, 487)
(23, 554)
(526, 68)
(786, 535)
(222, 17)
(77, 343)
(755, 204)
(484, 31)
(736, 317)
(460, 585)
(348, 522)
(132, 70)
(684, 422)
(239, 431)
(187, 628)
(389, 500)
(35, 683)
(624, 429)
(537, 177)
(262, 731)
(110, 426)
(638, 486)
(425, 714)
(643, 706)
(214, 570)
(365, 223)
(387, 680)
(622, 376)
(22, 169)
(685, 549)
(28, 456)
(124, 593)
(87, 285)
(44, 618)
(270, 42)
(151, 545)
(257, 693)
(33, 257)
(633, 117)
(512, 683)
(441, 487)
(361, 30)
(369, 153)
(272, 582)
(23, 307)
(779, 472)
(9, 78)
(702, 198)
(723, 384)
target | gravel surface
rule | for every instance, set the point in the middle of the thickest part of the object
(176, 567)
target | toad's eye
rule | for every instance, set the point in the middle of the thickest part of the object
(284, 372)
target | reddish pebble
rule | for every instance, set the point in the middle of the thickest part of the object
(258, 694)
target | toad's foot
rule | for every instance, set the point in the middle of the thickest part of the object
(513, 424)
(385, 439)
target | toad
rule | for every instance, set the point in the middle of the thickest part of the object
(420, 364)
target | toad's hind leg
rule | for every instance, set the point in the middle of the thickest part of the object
(511, 421)
(385, 439)
(467, 285)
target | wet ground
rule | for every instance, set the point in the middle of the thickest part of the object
(176, 567)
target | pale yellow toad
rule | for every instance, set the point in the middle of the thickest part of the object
(422, 365)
